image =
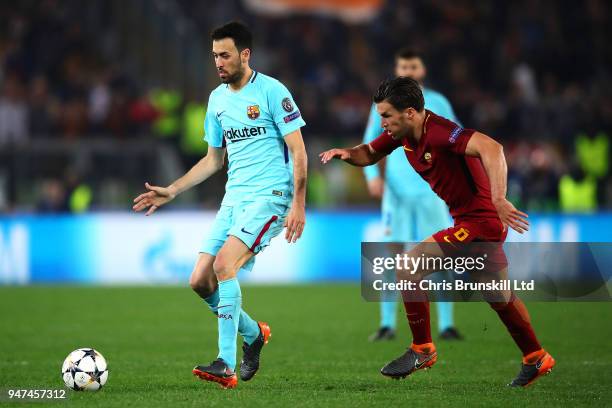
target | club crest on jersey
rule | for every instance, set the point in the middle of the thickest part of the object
(287, 105)
(253, 111)
(428, 157)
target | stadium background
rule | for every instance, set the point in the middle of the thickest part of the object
(98, 97)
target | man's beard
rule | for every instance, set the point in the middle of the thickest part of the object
(235, 77)
(404, 132)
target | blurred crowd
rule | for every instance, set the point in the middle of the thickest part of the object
(533, 74)
(58, 80)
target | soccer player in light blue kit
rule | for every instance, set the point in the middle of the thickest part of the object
(254, 118)
(410, 209)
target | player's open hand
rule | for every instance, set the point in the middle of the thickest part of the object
(342, 154)
(511, 217)
(295, 221)
(153, 199)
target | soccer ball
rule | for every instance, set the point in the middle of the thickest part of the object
(84, 370)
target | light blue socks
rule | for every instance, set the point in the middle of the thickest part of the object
(388, 303)
(444, 309)
(226, 304)
(445, 315)
(213, 301)
(228, 316)
(388, 313)
(388, 308)
(247, 327)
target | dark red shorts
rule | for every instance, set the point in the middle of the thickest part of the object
(473, 230)
(473, 237)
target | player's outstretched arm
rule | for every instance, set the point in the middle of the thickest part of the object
(296, 219)
(376, 183)
(157, 196)
(491, 153)
(362, 155)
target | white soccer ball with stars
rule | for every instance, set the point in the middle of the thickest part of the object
(85, 370)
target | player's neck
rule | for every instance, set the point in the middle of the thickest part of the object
(419, 125)
(236, 86)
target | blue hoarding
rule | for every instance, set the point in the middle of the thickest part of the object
(122, 248)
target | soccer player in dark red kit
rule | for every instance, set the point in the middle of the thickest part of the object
(467, 169)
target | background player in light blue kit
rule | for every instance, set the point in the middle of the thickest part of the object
(411, 211)
(254, 118)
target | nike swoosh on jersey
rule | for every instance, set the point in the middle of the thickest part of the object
(245, 231)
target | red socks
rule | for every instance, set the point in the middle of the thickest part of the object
(513, 314)
(417, 313)
(516, 319)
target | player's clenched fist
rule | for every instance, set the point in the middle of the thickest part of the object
(342, 154)
(153, 199)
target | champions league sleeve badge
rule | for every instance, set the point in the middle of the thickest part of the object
(287, 105)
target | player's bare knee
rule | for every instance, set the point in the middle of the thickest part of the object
(202, 279)
(225, 274)
(194, 282)
(224, 269)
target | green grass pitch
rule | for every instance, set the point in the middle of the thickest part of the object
(318, 354)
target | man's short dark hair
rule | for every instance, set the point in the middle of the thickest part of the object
(237, 31)
(408, 53)
(401, 93)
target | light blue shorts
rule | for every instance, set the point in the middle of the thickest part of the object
(253, 222)
(412, 219)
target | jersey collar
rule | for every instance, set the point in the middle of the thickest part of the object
(250, 81)
(414, 146)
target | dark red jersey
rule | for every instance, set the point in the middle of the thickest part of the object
(439, 157)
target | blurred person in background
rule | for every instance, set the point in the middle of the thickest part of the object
(13, 112)
(99, 101)
(13, 132)
(53, 197)
(542, 181)
(410, 209)
(577, 191)
(44, 109)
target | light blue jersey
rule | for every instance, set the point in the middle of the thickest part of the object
(251, 124)
(400, 177)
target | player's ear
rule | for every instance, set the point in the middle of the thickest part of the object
(245, 55)
(409, 113)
